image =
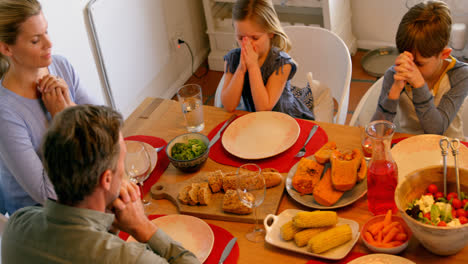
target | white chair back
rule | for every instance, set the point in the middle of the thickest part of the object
(367, 105)
(326, 56)
(217, 100)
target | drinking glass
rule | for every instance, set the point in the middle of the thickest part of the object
(366, 145)
(251, 189)
(137, 164)
(190, 98)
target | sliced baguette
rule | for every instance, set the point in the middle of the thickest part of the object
(204, 194)
(183, 194)
(193, 193)
(232, 203)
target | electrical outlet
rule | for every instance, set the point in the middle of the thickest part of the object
(175, 39)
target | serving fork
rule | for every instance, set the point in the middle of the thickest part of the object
(302, 152)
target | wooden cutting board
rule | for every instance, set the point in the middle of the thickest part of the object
(214, 209)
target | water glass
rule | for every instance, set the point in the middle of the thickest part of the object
(191, 100)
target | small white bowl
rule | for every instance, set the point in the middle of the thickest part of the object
(392, 250)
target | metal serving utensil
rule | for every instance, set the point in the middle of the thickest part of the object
(444, 147)
(455, 145)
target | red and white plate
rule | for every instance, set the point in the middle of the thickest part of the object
(260, 135)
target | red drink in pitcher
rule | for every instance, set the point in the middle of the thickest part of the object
(382, 179)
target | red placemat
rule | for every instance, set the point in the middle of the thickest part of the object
(282, 162)
(395, 141)
(161, 165)
(221, 238)
(348, 258)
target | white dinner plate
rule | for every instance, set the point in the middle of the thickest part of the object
(153, 157)
(260, 135)
(273, 224)
(349, 197)
(380, 259)
(193, 233)
(422, 151)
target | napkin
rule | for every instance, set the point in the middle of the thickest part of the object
(348, 258)
(163, 160)
(283, 161)
(221, 238)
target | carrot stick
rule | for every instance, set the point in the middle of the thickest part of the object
(379, 237)
(388, 218)
(401, 237)
(389, 227)
(375, 228)
(390, 235)
(368, 236)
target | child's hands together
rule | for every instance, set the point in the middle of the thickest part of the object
(249, 55)
(407, 71)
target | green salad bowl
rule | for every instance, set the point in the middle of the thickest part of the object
(188, 165)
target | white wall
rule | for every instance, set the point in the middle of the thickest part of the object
(375, 22)
(72, 38)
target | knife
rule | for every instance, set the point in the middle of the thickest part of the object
(227, 250)
(218, 135)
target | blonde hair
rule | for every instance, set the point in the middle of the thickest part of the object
(12, 14)
(263, 13)
(425, 28)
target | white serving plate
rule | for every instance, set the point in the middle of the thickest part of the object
(273, 224)
(381, 259)
(193, 233)
(260, 135)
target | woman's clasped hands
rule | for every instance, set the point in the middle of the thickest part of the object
(54, 93)
(249, 55)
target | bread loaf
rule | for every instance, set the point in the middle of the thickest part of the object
(324, 193)
(344, 169)
(215, 180)
(248, 181)
(307, 176)
(193, 193)
(232, 203)
(322, 155)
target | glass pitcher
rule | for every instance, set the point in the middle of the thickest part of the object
(382, 173)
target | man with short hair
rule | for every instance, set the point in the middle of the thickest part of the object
(83, 154)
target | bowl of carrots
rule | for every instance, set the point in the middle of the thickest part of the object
(386, 234)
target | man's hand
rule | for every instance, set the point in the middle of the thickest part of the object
(129, 214)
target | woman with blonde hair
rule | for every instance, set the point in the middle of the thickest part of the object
(257, 75)
(35, 85)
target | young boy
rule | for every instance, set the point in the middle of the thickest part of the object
(425, 89)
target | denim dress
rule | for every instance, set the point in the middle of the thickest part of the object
(292, 101)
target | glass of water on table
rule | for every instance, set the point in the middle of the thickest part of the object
(191, 100)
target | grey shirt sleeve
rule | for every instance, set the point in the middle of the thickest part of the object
(170, 251)
(435, 120)
(386, 108)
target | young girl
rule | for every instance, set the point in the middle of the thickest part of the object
(257, 75)
(425, 89)
(34, 86)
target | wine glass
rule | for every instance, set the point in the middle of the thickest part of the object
(137, 164)
(251, 189)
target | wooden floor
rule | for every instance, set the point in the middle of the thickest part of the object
(360, 82)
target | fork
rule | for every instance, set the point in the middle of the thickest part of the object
(302, 152)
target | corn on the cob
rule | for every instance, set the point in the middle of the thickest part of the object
(315, 219)
(330, 239)
(301, 238)
(288, 230)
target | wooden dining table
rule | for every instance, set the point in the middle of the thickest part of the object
(163, 118)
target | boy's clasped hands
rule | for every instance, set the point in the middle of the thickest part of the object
(406, 72)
